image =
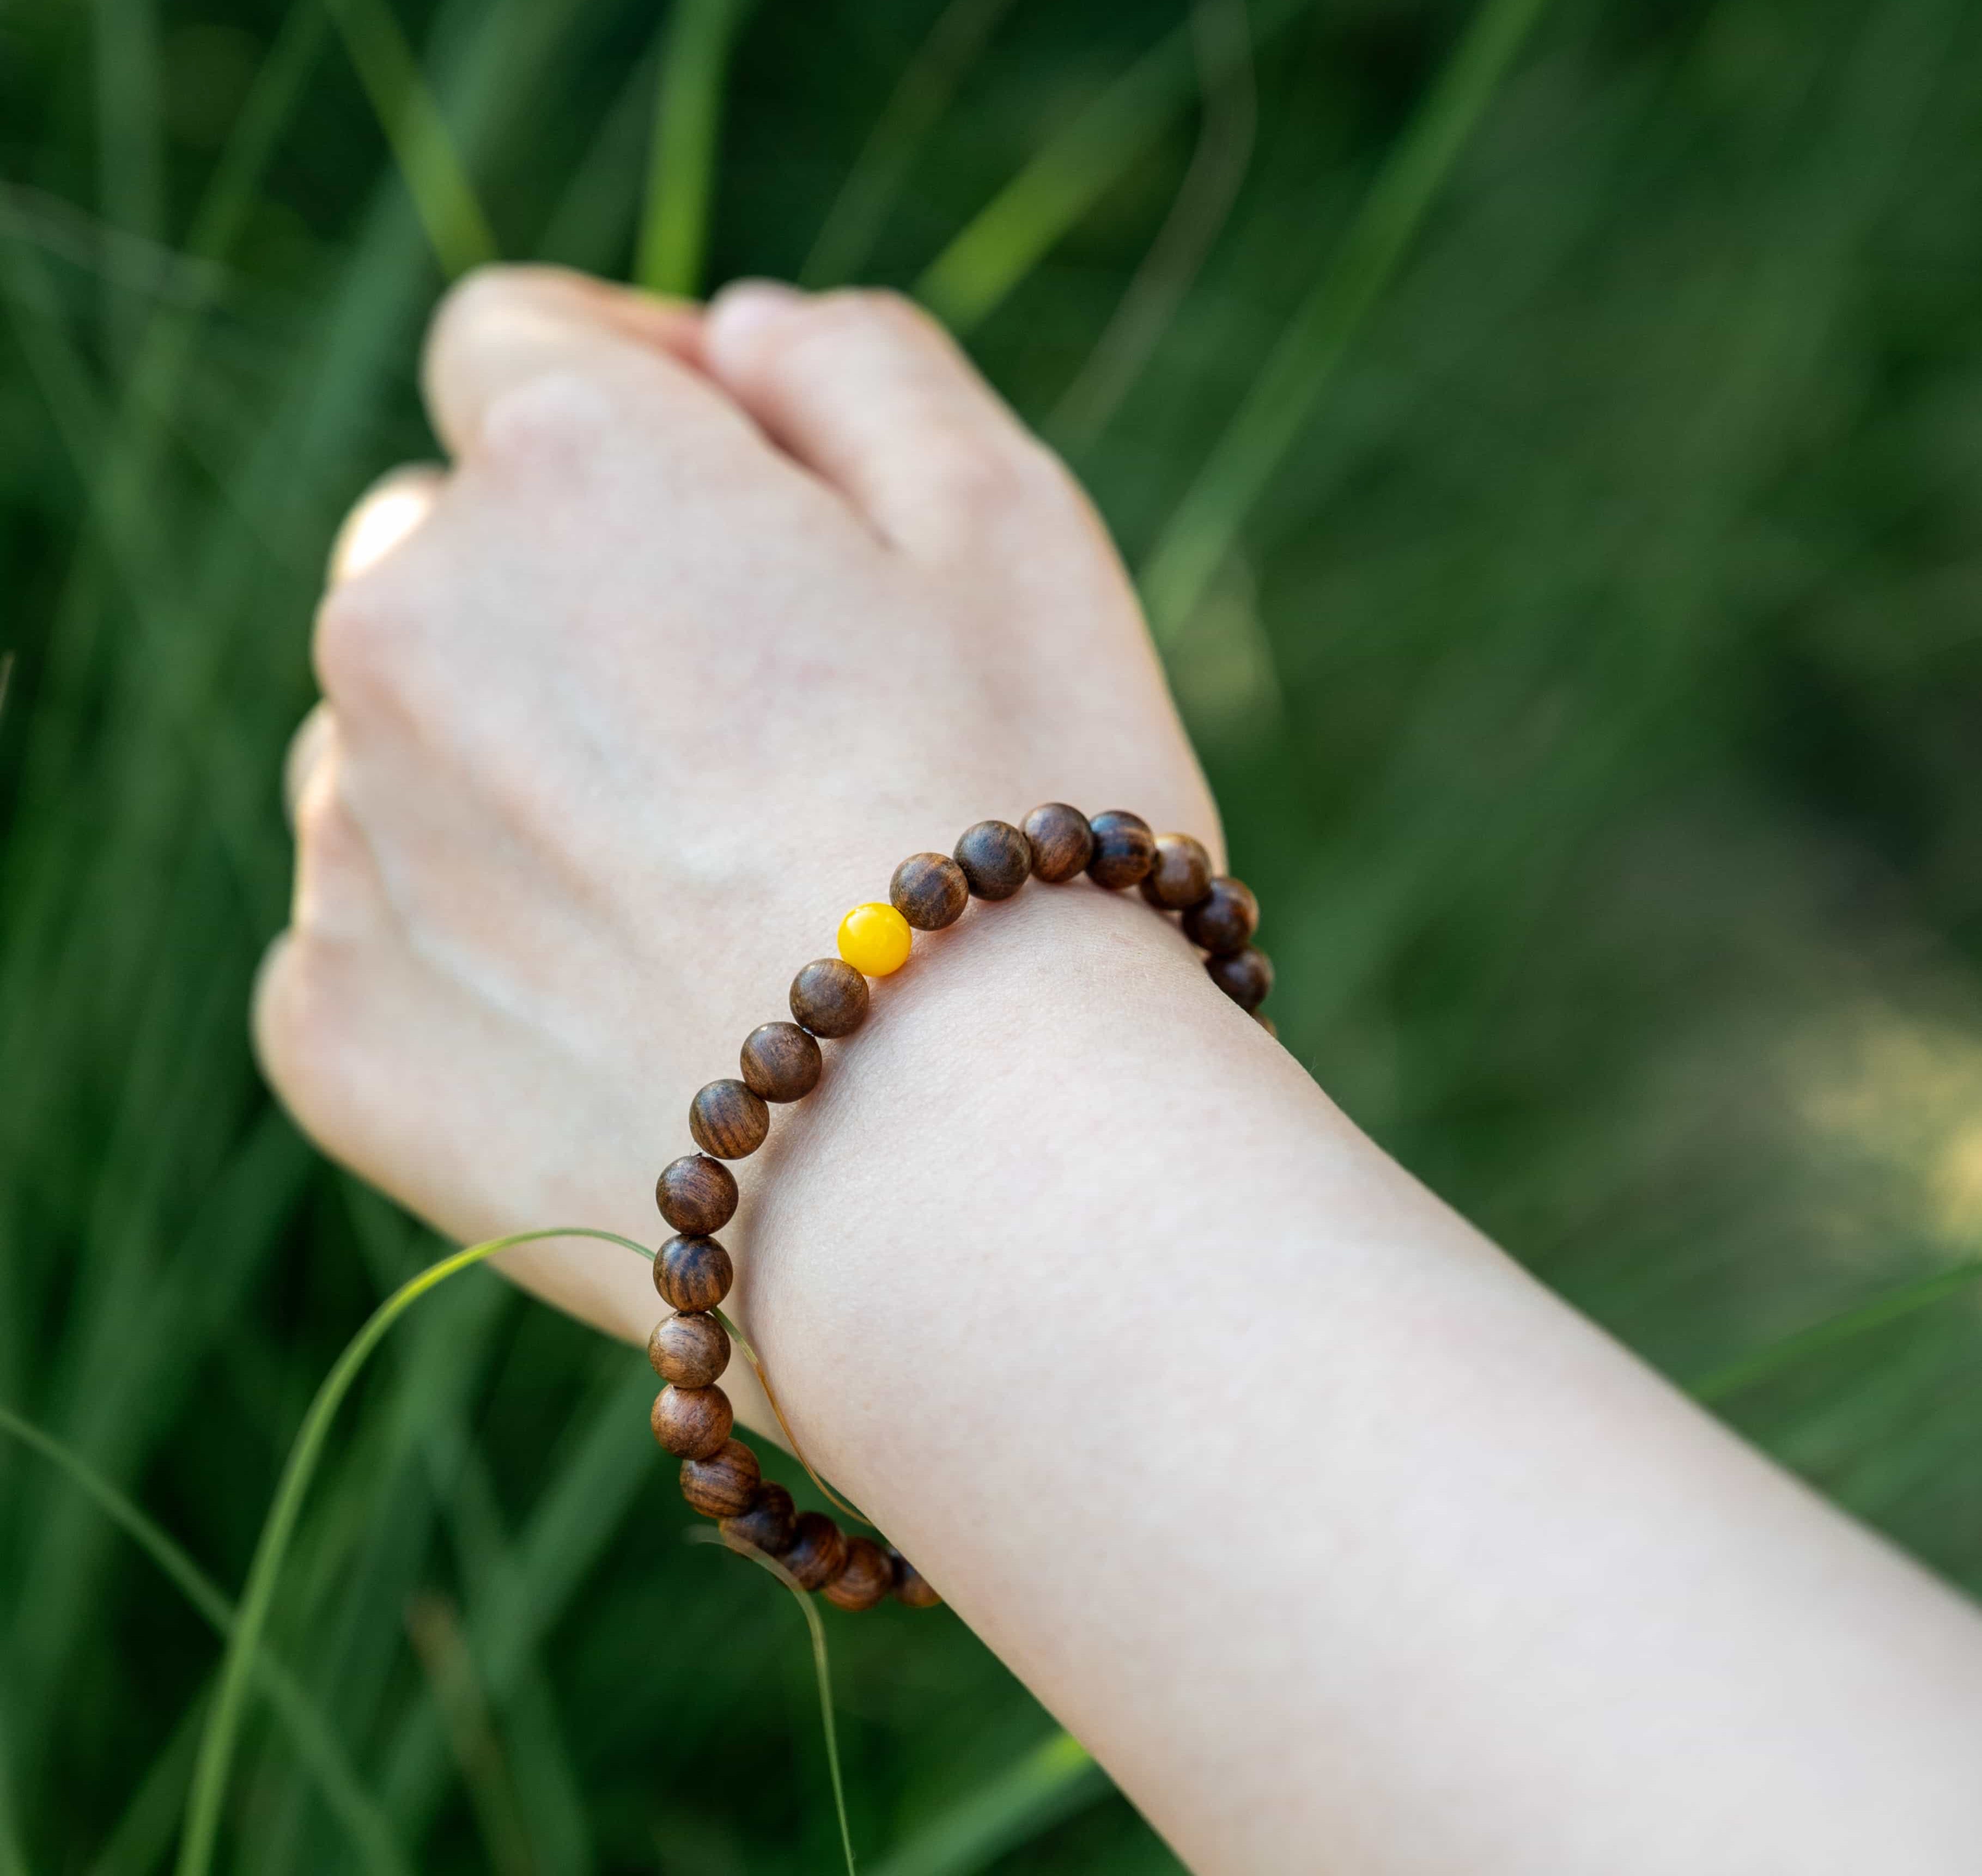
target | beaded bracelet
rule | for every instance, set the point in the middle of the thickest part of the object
(780, 1062)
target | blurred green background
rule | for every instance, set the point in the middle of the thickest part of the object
(1550, 438)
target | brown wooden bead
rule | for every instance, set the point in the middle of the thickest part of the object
(995, 857)
(723, 1484)
(1180, 876)
(691, 1422)
(1245, 977)
(929, 891)
(689, 1349)
(1061, 841)
(863, 1579)
(693, 1273)
(780, 1062)
(727, 1120)
(1225, 919)
(829, 996)
(767, 1523)
(696, 1194)
(911, 1586)
(817, 1550)
(1124, 849)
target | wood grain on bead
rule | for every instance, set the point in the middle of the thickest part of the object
(1245, 976)
(1060, 839)
(829, 996)
(780, 1062)
(1124, 849)
(1224, 920)
(929, 891)
(1180, 875)
(995, 857)
(696, 1194)
(691, 1422)
(911, 1587)
(727, 1120)
(689, 1349)
(863, 1579)
(723, 1484)
(693, 1273)
(767, 1523)
(817, 1550)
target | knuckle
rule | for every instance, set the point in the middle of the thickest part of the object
(301, 1030)
(338, 892)
(324, 824)
(990, 475)
(482, 294)
(290, 1018)
(885, 307)
(352, 642)
(849, 319)
(549, 424)
(386, 515)
(868, 305)
(366, 648)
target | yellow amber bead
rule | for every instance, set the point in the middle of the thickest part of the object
(875, 939)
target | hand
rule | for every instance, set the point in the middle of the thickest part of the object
(714, 617)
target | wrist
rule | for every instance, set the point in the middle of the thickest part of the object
(1018, 1092)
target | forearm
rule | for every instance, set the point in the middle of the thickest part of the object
(1252, 1458)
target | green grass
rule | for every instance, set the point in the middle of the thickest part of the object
(1549, 444)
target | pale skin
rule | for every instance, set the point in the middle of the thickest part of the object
(1341, 1543)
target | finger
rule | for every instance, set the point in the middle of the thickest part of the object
(384, 516)
(871, 393)
(339, 890)
(504, 327)
(307, 747)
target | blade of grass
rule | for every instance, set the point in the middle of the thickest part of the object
(701, 1534)
(135, 1347)
(13, 1858)
(594, 222)
(688, 111)
(1765, 1364)
(434, 1625)
(316, 1744)
(1010, 235)
(217, 1742)
(1200, 533)
(56, 362)
(1051, 1782)
(366, 1552)
(144, 1834)
(1223, 39)
(503, 1579)
(853, 223)
(548, 1792)
(410, 114)
(516, 1597)
(130, 143)
(186, 1576)
(136, 268)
